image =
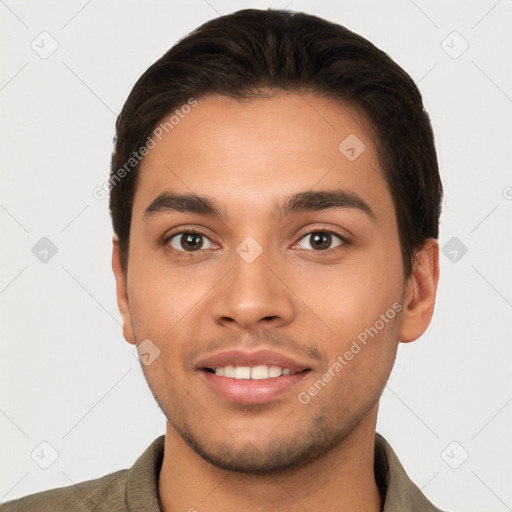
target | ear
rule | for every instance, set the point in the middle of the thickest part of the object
(123, 302)
(420, 292)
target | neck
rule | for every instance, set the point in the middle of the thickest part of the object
(341, 480)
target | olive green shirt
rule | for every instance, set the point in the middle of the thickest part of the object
(136, 489)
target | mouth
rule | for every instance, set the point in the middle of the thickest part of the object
(251, 378)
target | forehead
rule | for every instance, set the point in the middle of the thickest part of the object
(245, 153)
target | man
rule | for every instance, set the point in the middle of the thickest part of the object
(275, 197)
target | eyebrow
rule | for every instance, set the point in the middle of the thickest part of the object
(168, 202)
(308, 201)
(313, 201)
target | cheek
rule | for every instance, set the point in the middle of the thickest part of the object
(350, 297)
(159, 295)
(352, 382)
(164, 307)
(359, 302)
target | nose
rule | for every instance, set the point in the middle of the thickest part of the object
(252, 296)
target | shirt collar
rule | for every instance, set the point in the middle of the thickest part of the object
(398, 491)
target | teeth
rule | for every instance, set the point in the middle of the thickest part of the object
(259, 372)
(274, 371)
(229, 371)
(242, 372)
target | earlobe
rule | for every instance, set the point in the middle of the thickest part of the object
(123, 303)
(420, 294)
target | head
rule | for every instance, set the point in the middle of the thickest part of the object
(274, 185)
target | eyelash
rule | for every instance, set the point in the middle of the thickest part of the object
(343, 239)
(189, 254)
(184, 254)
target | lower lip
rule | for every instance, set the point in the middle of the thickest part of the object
(249, 391)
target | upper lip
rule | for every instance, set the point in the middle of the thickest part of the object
(255, 358)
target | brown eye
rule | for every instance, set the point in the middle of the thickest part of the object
(189, 242)
(319, 241)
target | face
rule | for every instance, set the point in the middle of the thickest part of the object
(265, 282)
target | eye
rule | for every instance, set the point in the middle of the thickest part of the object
(319, 241)
(190, 242)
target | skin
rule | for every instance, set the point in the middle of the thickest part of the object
(305, 302)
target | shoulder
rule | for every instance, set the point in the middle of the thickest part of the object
(128, 489)
(105, 493)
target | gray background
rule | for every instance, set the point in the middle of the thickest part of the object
(67, 376)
